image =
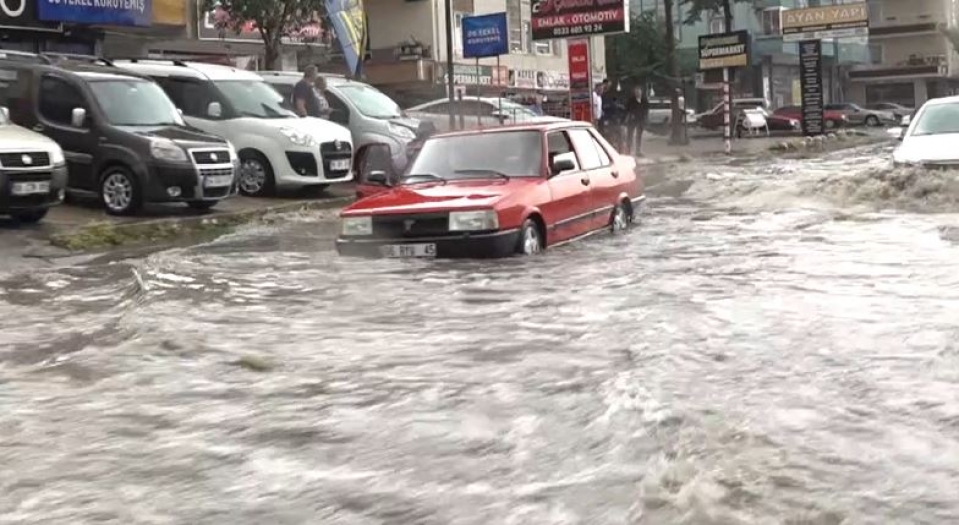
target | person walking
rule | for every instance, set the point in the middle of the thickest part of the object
(637, 114)
(324, 110)
(598, 106)
(305, 101)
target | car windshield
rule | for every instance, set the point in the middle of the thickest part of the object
(369, 101)
(513, 109)
(253, 98)
(135, 102)
(507, 153)
(938, 119)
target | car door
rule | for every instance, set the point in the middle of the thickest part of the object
(57, 97)
(569, 211)
(597, 165)
(193, 97)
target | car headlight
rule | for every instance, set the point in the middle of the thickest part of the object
(402, 131)
(357, 226)
(167, 150)
(481, 220)
(298, 137)
(794, 123)
(56, 157)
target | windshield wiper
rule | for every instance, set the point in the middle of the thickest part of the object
(478, 171)
(430, 177)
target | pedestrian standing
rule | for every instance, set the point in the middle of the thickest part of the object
(598, 106)
(305, 101)
(319, 86)
(637, 114)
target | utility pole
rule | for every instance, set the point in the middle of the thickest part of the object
(672, 68)
(450, 84)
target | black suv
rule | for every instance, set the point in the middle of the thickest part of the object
(123, 138)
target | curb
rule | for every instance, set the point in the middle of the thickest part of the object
(106, 234)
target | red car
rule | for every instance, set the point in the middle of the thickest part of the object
(491, 193)
(831, 119)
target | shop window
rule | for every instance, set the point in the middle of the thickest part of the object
(58, 98)
(772, 21)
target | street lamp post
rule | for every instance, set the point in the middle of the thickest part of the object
(450, 86)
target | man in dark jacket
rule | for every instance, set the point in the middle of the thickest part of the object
(637, 114)
(305, 101)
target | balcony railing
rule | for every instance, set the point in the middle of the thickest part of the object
(915, 65)
(880, 25)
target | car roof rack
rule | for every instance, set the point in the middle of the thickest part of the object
(134, 60)
(18, 55)
(79, 58)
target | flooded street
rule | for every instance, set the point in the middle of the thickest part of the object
(777, 343)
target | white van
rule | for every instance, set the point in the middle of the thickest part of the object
(276, 148)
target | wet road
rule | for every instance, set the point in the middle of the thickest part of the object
(777, 344)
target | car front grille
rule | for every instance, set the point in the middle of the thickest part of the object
(336, 150)
(220, 156)
(213, 172)
(27, 159)
(411, 226)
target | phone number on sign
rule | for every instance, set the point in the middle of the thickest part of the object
(584, 29)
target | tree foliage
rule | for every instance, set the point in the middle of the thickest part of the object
(639, 55)
(696, 8)
(271, 18)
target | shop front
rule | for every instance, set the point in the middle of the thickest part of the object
(22, 29)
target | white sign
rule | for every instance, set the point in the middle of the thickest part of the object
(857, 32)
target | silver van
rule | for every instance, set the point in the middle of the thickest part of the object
(371, 116)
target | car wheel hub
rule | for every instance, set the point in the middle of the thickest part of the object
(620, 219)
(531, 244)
(117, 191)
(252, 176)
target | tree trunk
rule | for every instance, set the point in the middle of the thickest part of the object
(271, 52)
(728, 15)
(672, 68)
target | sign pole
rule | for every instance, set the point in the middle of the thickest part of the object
(479, 92)
(499, 92)
(727, 128)
(450, 87)
(810, 81)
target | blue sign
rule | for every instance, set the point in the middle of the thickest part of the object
(97, 12)
(348, 18)
(485, 36)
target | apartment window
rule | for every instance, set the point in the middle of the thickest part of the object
(527, 38)
(543, 48)
(514, 19)
(875, 53)
(716, 25)
(772, 21)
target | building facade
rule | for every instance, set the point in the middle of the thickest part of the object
(911, 58)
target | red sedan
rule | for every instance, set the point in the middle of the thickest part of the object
(492, 193)
(831, 119)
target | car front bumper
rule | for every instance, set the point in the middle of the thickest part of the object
(56, 175)
(188, 178)
(470, 246)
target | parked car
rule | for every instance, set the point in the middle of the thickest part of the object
(896, 109)
(661, 114)
(931, 136)
(371, 115)
(277, 149)
(859, 116)
(713, 119)
(123, 139)
(773, 121)
(831, 119)
(495, 192)
(477, 112)
(33, 172)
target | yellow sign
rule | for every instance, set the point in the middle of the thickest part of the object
(169, 12)
(829, 18)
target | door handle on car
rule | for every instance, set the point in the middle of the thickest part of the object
(585, 181)
(38, 127)
(615, 174)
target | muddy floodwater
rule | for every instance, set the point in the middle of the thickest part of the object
(777, 343)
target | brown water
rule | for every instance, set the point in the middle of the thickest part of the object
(776, 343)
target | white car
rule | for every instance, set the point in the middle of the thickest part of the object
(33, 171)
(277, 149)
(931, 136)
(477, 112)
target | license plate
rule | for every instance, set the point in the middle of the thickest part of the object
(217, 181)
(409, 250)
(340, 165)
(30, 188)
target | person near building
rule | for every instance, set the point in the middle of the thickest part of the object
(319, 86)
(305, 101)
(598, 106)
(637, 114)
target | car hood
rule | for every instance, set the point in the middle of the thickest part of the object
(15, 138)
(432, 197)
(183, 135)
(411, 123)
(320, 129)
(928, 148)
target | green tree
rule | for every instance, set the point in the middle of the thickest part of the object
(696, 8)
(639, 55)
(273, 19)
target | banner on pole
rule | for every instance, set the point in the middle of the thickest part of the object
(485, 36)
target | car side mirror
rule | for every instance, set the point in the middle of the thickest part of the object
(78, 117)
(562, 162)
(6, 112)
(906, 120)
(340, 116)
(214, 110)
(373, 164)
(180, 111)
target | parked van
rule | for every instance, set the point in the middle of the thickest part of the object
(33, 172)
(123, 139)
(275, 146)
(373, 117)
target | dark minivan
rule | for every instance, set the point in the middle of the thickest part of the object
(122, 137)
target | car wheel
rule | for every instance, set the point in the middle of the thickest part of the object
(30, 217)
(530, 239)
(621, 218)
(201, 205)
(256, 174)
(120, 191)
(872, 121)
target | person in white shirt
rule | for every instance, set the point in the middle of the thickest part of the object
(598, 104)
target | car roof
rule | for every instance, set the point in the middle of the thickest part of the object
(80, 68)
(942, 100)
(490, 100)
(292, 77)
(545, 125)
(162, 67)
